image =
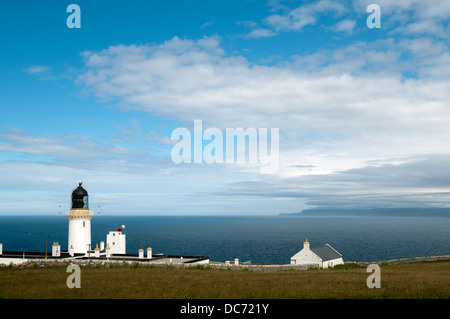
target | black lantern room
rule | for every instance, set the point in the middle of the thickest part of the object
(80, 198)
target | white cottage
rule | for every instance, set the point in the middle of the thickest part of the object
(324, 257)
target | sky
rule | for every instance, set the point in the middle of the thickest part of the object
(363, 113)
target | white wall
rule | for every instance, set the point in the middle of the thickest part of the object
(206, 261)
(80, 234)
(332, 263)
(56, 250)
(306, 257)
(14, 261)
(117, 242)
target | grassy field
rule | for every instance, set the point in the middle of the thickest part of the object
(427, 280)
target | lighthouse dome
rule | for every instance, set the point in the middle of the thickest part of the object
(80, 197)
(79, 191)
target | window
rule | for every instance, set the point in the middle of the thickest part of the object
(84, 223)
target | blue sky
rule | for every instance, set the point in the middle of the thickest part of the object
(363, 113)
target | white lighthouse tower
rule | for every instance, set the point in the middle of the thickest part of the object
(80, 222)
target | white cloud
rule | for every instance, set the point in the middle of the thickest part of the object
(345, 26)
(207, 24)
(304, 15)
(37, 69)
(403, 17)
(414, 182)
(71, 147)
(412, 17)
(421, 27)
(260, 33)
(437, 9)
(342, 109)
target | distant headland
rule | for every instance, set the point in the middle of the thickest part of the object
(382, 212)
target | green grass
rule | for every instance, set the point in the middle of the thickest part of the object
(418, 280)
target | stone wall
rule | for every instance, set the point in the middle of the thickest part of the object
(212, 265)
(401, 261)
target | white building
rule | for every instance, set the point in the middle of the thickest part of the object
(116, 241)
(80, 222)
(323, 257)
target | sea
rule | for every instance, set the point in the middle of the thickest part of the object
(258, 239)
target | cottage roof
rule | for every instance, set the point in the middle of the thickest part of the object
(326, 252)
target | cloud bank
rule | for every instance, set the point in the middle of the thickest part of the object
(362, 124)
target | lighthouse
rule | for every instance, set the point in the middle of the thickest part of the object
(79, 222)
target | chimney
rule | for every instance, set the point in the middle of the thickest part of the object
(149, 253)
(306, 244)
(97, 251)
(102, 245)
(141, 253)
(108, 251)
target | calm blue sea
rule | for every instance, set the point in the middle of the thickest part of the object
(261, 240)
